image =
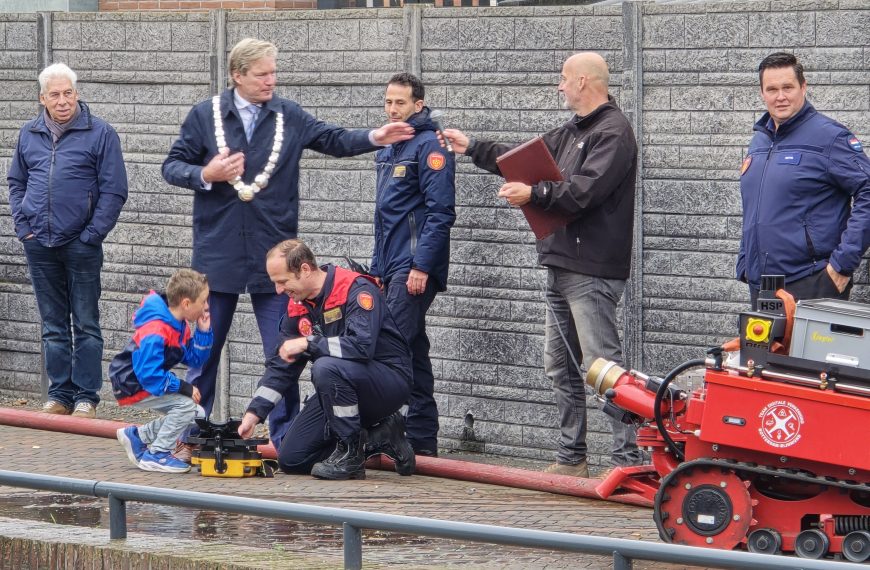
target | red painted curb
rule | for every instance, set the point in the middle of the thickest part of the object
(431, 466)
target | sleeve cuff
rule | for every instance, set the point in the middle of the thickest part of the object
(205, 185)
(372, 139)
(472, 142)
(185, 389)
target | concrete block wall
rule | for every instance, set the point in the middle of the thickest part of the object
(19, 320)
(684, 73)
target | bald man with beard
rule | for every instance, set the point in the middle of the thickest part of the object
(588, 260)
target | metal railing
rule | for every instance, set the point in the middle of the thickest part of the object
(623, 551)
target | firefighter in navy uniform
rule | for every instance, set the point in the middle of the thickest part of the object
(361, 368)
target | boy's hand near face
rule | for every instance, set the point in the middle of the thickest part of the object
(203, 323)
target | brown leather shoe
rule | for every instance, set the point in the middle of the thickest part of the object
(85, 409)
(578, 470)
(184, 451)
(55, 407)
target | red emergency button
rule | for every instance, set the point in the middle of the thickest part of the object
(758, 330)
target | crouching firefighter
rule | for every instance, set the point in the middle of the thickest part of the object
(361, 369)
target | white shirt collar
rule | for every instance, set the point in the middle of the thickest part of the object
(240, 101)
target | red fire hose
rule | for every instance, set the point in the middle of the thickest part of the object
(432, 466)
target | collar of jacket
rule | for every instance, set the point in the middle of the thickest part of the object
(81, 123)
(805, 113)
(586, 120)
(421, 121)
(327, 286)
(228, 104)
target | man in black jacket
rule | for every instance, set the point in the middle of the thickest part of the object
(588, 260)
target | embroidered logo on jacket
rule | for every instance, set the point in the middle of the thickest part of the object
(745, 166)
(855, 144)
(436, 160)
(332, 315)
(305, 328)
(399, 171)
(365, 300)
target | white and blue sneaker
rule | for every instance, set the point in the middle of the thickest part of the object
(133, 444)
(162, 461)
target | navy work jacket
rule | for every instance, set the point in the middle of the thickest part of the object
(231, 237)
(70, 189)
(806, 199)
(415, 206)
(348, 320)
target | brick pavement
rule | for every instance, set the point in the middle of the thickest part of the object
(103, 459)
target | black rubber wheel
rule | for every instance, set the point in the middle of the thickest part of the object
(856, 546)
(812, 543)
(764, 541)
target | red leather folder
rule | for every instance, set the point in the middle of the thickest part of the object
(530, 163)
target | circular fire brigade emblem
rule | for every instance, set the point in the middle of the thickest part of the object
(305, 328)
(436, 160)
(781, 423)
(365, 300)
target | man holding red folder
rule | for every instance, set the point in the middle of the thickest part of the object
(589, 259)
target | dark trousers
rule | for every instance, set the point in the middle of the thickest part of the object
(349, 396)
(66, 281)
(268, 308)
(409, 312)
(815, 286)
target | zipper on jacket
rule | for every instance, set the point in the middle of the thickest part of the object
(50, 180)
(379, 220)
(758, 201)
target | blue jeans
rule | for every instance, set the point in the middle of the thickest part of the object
(268, 308)
(409, 312)
(179, 412)
(584, 311)
(66, 281)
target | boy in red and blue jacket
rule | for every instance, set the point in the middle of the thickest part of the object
(142, 374)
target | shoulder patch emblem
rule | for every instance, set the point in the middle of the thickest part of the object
(365, 300)
(855, 144)
(745, 166)
(436, 160)
(305, 328)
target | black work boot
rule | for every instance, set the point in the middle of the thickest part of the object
(388, 437)
(346, 462)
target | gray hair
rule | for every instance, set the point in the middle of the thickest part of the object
(246, 52)
(56, 71)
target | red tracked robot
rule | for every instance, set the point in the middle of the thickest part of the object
(772, 453)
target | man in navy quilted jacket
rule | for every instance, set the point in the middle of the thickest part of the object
(413, 216)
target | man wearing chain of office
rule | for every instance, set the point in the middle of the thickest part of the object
(239, 152)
